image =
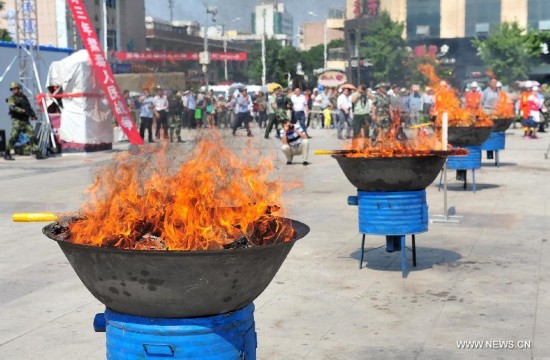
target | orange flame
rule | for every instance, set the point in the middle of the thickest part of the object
(446, 100)
(504, 108)
(212, 199)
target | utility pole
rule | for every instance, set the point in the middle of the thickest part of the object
(225, 50)
(171, 6)
(263, 50)
(325, 57)
(205, 56)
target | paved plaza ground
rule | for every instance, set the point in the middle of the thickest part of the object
(486, 279)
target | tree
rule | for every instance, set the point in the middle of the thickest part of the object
(254, 67)
(509, 51)
(282, 60)
(384, 47)
(4, 34)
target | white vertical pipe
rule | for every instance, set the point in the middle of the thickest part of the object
(104, 11)
(444, 131)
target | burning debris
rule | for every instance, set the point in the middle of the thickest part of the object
(213, 200)
(391, 146)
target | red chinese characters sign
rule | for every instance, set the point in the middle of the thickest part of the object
(178, 56)
(229, 56)
(103, 71)
(156, 56)
(373, 7)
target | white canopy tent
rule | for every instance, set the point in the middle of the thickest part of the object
(85, 118)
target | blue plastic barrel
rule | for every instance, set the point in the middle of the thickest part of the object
(392, 213)
(495, 142)
(228, 336)
(470, 162)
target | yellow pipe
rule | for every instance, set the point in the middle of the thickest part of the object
(421, 125)
(35, 217)
(324, 152)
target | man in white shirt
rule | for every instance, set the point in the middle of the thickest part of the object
(242, 111)
(160, 103)
(299, 109)
(294, 142)
(344, 107)
(317, 108)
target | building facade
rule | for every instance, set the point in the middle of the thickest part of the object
(445, 28)
(125, 23)
(271, 18)
(455, 18)
(175, 37)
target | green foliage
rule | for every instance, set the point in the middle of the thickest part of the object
(385, 48)
(4, 34)
(509, 52)
(281, 60)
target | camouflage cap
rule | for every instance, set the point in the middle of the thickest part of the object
(14, 84)
(382, 84)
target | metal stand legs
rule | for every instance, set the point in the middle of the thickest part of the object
(403, 253)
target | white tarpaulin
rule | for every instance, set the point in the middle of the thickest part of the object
(85, 119)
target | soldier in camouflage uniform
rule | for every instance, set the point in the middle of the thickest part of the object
(381, 112)
(175, 112)
(276, 112)
(20, 110)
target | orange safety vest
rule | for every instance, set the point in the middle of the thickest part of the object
(473, 100)
(523, 104)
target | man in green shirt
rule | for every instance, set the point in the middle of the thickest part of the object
(381, 112)
(275, 111)
(361, 112)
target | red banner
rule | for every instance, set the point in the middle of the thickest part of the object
(103, 71)
(229, 56)
(156, 56)
(178, 56)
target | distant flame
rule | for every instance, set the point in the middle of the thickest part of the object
(504, 108)
(209, 201)
(446, 100)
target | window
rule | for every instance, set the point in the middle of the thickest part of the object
(482, 16)
(111, 4)
(538, 14)
(423, 18)
(111, 40)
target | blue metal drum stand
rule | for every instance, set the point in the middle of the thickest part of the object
(463, 163)
(392, 214)
(495, 142)
(227, 336)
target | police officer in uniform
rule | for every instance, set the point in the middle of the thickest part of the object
(175, 112)
(381, 112)
(20, 110)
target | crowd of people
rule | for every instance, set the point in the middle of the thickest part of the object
(360, 112)
(352, 112)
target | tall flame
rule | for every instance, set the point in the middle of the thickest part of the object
(212, 199)
(446, 100)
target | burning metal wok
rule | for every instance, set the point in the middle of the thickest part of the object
(468, 135)
(391, 173)
(502, 124)
(172, 284)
